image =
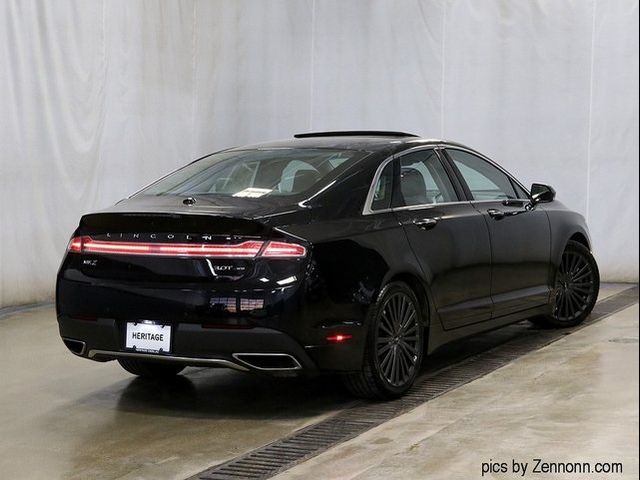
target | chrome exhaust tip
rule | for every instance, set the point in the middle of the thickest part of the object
(77, 347)
(269, 361)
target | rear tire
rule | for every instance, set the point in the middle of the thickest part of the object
(150, 369)
(576, 288)
(394, 346)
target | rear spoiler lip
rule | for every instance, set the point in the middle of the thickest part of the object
(165, 212)
(253, 212)
(193, 222)
(175, 213)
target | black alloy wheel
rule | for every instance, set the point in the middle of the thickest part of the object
(397, 339)
(395, 345)
(576, 287)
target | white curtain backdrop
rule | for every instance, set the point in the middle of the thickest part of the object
(97, 98)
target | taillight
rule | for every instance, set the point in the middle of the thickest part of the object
(248, 249)
(284, 250)
(75, 245)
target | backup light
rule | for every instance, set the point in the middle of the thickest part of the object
(248, 249)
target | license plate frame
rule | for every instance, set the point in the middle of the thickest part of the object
(146, 336)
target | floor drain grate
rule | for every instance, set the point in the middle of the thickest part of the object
(308, 442)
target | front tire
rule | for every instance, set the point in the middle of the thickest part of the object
(394, 346)
(147, 369)
(576, 287)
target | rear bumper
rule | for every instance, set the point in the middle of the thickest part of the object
(255, 349)
(106, 355)
(258, 349)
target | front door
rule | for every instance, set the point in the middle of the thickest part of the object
(520, 236)
(448, 237)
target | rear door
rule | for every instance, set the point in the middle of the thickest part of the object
(448, 236)
(520, 236)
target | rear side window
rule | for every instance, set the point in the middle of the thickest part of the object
(485, 181)
(423, 180)
(383, 189)
(256, 173)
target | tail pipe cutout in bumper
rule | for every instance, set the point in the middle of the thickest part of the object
(268, 361)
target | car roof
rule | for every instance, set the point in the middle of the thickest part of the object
(365, 140)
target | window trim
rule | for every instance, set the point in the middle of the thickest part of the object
(367, 210)
(457, 192)
(464, 183)
(441, 151)
(375, 184)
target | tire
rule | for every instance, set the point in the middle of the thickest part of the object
(394, 345)
(576, 288)
(150, 369)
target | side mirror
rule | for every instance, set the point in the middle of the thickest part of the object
(541, 193)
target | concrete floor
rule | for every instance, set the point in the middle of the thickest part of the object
(65, 417)
(575, 400)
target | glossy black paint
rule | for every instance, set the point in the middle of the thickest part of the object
(541, 193)
(472, 269)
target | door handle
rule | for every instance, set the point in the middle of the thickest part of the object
(498, 214)
(426, 223)
(495, 213)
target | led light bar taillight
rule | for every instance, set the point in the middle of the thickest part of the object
(75, 245)
(248, 249)
(283, 249)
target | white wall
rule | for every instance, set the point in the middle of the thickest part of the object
(101, 97)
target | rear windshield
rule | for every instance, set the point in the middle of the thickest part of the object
(255, 173)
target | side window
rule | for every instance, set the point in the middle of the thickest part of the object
(423, 180)
(485, 181)
(383, 189)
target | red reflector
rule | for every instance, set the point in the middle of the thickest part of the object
(86, 244)
(284, 250)
(339, 337)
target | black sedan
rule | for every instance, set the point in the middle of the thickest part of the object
(356, 253)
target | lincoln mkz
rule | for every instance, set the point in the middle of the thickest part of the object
(352, 253)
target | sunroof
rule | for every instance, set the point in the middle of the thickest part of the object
(355, 133)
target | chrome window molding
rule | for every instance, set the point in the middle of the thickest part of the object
(372, 188)
(491, 162)
(367, 210)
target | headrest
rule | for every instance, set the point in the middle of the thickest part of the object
(304, 179)
(413, 187)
